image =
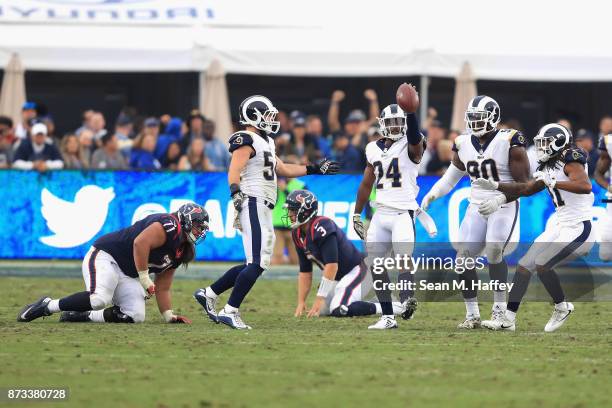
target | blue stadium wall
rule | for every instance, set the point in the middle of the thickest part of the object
(60, 214)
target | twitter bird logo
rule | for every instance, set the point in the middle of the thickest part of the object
(74, 223)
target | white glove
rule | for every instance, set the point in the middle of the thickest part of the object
(485, 184)
(146, 282)
(549, 180)
(237, 224)
(359, 227)
(427, 200)
(488, 207)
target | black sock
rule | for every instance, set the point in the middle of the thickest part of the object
(468, 277)
(244, 282)
(550, 280)
(404, 278)
(77, 302)
(519, 288)
(227, 280)
(382, 281)
(499, 272)
(361, 308)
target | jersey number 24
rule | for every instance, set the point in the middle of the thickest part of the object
(393, 173)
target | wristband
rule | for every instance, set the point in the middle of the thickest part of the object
(234, 188)
(168, 315)
(311, 169)
(325, 287)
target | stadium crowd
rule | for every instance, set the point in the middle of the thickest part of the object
(171, 143)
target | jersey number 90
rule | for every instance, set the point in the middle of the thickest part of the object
(486, 170)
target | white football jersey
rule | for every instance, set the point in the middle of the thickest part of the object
(489, 161)
(571, 208)
(396, 174)
(258, 178)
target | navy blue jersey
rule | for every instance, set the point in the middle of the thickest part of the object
(120, 245)
(324, 243)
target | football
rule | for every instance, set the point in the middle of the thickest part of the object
(407, 97)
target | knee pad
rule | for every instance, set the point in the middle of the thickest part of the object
(115, 315)
(495, 253)
(98, 301)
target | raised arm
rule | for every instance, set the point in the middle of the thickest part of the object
(374, 108)
(333, 116)
(415, 139)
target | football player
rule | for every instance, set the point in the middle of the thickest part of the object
(252, 179)
(563, 172)
(116, 271)
(496, 155)
(602, 167)
(393, 165)
(345, 280)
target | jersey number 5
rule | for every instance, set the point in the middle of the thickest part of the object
(486, 170)
(393, 173)
(268, 171)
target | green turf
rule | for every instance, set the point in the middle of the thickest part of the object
(298, 362)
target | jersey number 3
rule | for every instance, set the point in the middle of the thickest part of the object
(393, 173)
(268, 171)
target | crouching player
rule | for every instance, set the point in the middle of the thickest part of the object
(345, 279)
(562, 171)
(116, 271)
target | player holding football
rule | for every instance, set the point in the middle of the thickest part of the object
(252, 179)
(393, 164)
(116, 271)
(563, 172)
(497, 155)
(604, 165)
(345, 280)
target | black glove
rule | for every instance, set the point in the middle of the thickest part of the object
(323, 166)
(238, 197)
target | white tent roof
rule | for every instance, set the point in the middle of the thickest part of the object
(511, 40)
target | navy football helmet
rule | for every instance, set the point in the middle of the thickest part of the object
(551, 140)
(301, 206)
(194, 222)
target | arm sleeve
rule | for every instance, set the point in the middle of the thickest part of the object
(23, 165)
(55, 164)
(449, 180)
(329, 249)
(413, 133)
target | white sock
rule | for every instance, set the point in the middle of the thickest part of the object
(397, 308)
(499, 297)
(389, 316)
(499, 306)
(230, 309)
(378, 308)
(53, 306)
(471, 307)
(561, 305)
(210, 293)
(97, 316)
(510, 315)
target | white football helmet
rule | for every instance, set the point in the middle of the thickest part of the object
(482, 115)
(551, 140)
(258, 111)
(392, 122)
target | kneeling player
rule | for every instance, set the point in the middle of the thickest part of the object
(116, 270)
(563, 172)
(345, 279)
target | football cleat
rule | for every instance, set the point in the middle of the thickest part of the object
(232, 319)
(410, 306)
(75, 317)
(208, 303)
(559, 316)
(384, 323)
(500, 323)
(497, 314)
(472, 322)
(35, 310)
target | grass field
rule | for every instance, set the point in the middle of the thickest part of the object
(285, 361)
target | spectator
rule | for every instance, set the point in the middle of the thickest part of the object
(430, 163)
(87, 146)
(194, 159)
(28, 113)
(6, 142)
(172, 157)
(109, 156)
(37, 152)
(565, 122)
(85, 121)
(284, 240)
(605, 126)
(300, 148)
(72, 153)
(453, 134)
(151, 127)
(142, 156)
(172, 133)
(585, 140)
(350, 158)
(123, 130)
(195, 129)
(314, 130)
(356, 124)
(217, 155)
(48, 121)
(98, 127)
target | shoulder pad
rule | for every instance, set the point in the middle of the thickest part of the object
(321, 228)
(459, 141)
(603, 139)
(240, 139)
(171, 225)
(516, 138)
(575, 154)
